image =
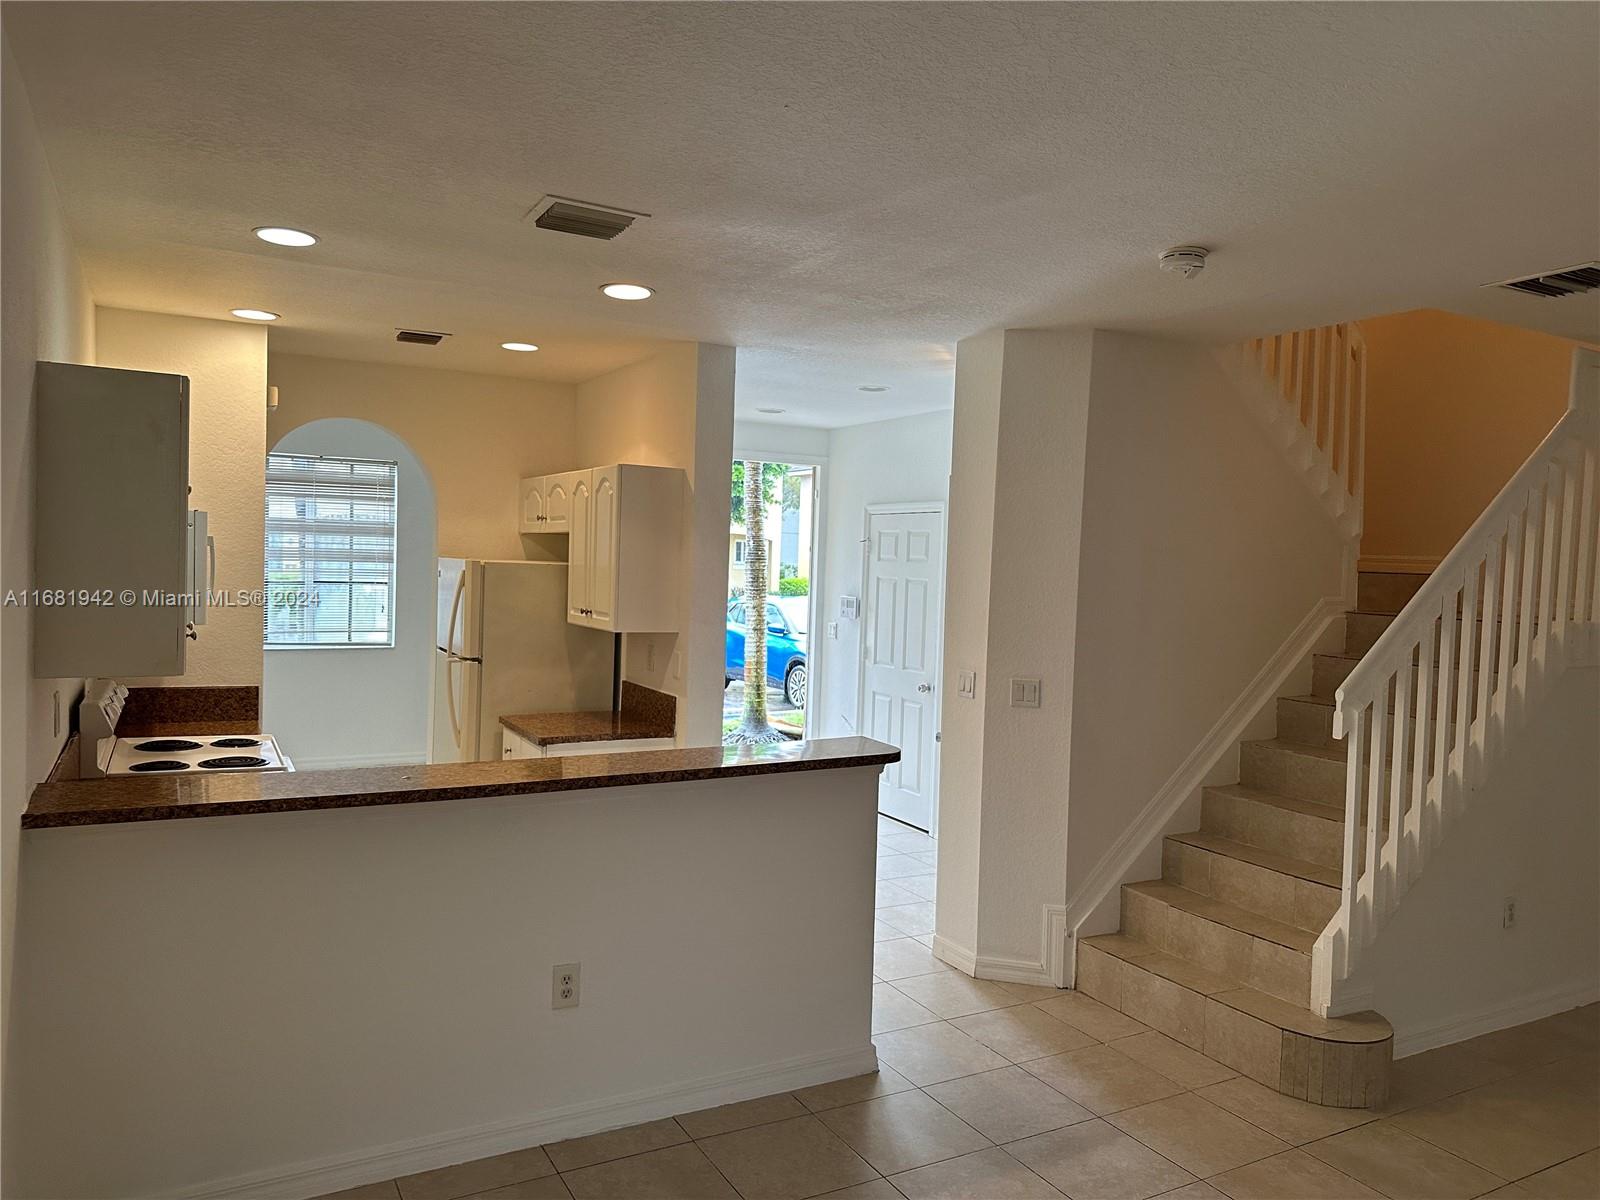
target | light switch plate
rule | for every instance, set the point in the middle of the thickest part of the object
(967, 685)
(1024, 693)
(833, 629)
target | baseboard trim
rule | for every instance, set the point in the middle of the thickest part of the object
(1397, 564)
(1461, 1026)
(334, 1173)
(959, 957)
(1048, 970)
(1114, 866)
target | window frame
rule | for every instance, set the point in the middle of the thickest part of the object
(392, 582)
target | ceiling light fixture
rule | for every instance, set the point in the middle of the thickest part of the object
(872, 387)
(282, 235)
(254, 314)
(519, 347)
(628, 291)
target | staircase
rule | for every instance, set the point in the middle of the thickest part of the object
(1217, 953)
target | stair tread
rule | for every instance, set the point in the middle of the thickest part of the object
(1334, 753)
(1319, 701)
(1242, 919)
(1355, 1027)
(1306, 808)
(1270, 860)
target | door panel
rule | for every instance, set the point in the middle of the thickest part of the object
(580, 547)
(533, 505)
(905, 590)
(558, 503)
(603, 565)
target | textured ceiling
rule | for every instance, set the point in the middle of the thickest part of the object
(841, 190)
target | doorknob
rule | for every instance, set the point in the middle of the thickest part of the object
(924, 687)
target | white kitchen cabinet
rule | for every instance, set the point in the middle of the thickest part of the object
(546, 502)
(626, 525)
(113, 568)
(515, 746)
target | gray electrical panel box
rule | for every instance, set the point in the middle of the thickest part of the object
(111, 556)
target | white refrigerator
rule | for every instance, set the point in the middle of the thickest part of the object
(503, 645)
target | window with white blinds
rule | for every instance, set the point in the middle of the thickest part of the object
(330, 551)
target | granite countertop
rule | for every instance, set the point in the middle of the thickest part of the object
(132, 798)
(563, 728)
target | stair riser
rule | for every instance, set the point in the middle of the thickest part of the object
(1272, 768)
(1329, 671)
(1381, 592)
(1362, 630)
(1256, 962)
(1312, 839)
(1304, 722)
(1299, 902)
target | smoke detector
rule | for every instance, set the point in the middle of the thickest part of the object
(1187, 261)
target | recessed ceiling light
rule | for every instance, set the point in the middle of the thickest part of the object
(628, 291)
(872, 387)
(519, 347)
(773, 411)
(280, 235)
(255, 314)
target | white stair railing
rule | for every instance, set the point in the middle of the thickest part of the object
(1310, 388)
(1429, 709)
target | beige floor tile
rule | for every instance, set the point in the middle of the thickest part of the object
(1523, 1046)
(892, 1009)
(872, 1189)
(933, 1053)
(923, 887)
(676, 1173)
(899, 866)
(1199, 1190)
(789, 1159)
(1292, 1175)
(1576, 1179)
(1173, 1059)
(1295, 1121)
(904, 958)
(1387, 1158)
(1099, 1021)
(549, 1188)
(897, 1133)
(450, 1183)
(927, 940)
(1032, 991)
(885, 1081)
(1196, 1134)
(725, 1118)
(1008, 1104)
(930, 859)
(906, 842)
(1435, 1074)
(890, 893)
(910, 919)
(1102, 1079)
(386, 1190)
(1512, 1128)
(952, 994)
(1022, 1032)
(1096, 1161)
(616, 1143)
(882, 932)
(991, 1174)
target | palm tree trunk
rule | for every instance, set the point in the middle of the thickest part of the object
(753, 726)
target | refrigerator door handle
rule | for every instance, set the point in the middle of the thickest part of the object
(449, 646)
(451, 663)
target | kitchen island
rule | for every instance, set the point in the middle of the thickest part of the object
(347, 975)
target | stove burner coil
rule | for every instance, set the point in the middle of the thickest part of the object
(232, 760)
(167, 746)
(160, 764)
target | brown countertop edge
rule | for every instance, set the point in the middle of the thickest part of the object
(565, 728)
(120, 800)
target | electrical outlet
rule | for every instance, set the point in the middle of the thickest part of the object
(1508, 914)
(650, 655)
(55, 713)
(677, 664)
(564, 984)
(1025, 693)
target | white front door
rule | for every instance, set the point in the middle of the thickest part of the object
(902, 618)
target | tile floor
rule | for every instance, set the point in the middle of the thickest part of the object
(991, 1091)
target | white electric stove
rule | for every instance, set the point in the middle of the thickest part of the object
(197, 754)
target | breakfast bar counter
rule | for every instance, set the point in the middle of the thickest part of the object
(164, 798)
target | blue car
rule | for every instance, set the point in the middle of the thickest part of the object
(786, 651)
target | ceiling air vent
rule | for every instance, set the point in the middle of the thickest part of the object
(582, 218)
(419, 337)
(1569, 281)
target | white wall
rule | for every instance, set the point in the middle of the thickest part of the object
(675, 409)
(905, 459)
(476, 435)
(1123, 531)
(47, 314)
(226, 362)
(367, 990)
(358, 706)
(1444, 968)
